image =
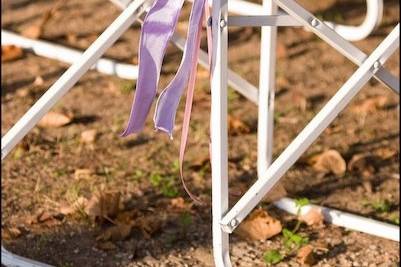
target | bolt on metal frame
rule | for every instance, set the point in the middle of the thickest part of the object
(224, 221)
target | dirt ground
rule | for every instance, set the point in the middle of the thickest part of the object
(42, 174)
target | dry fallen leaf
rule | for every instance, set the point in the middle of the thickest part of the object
(362, 164)
(305, 255)
(103, 205)
(79, 204)
(236, 126)
(117, 232)
(9, 233)
(33, 31)
(299, 99)
(369, 105)
(10, 53)
(313, 217)
(54, 119)
(329, 161)
(385, 152)
(106, 246)
(88, 136)
(178, 203)
(259, 226)
(82, 174)
(281, 50)
(277, 192)
(38, 81)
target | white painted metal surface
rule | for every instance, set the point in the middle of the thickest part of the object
(218, 132)
(335, 40)
(68, 55)
(309, 134)
(347, 220)
(225, 221)
(11, 260)
(267, 84)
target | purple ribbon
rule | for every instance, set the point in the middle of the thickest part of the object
(158, 26)
(167, 104)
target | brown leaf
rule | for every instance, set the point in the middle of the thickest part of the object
(38, 81)
(149, 224)
(106, 246)
(299, 99)
(178, 203)
(313, 217)
(103, 205)
(10, 233)
(33, 31)
(362, 164)
(10, 53)
(259, 226)
(305, 255)
(44, 216)
(281, 50)
(117, 232)
(329, 161)
(54, 120)
(385, 152)
(79, 204)
(236, 126)
(82, 174)
(369, 105)
(88, 136)
(277, 192)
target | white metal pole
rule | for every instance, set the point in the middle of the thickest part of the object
(266, 92)
(309, 134)
(219, 143)
(71, 76)
(336, 41)
(11, 260)
(68, 55)
(345, 219)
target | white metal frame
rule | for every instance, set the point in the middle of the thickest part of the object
(224, 220)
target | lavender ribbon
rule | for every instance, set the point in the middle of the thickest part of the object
(167, 104)
(157, 29)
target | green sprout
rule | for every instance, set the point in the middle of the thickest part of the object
(272, 257)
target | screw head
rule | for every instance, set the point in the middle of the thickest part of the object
(223, 23)
(233, 222)
(314, 22)
(376, 65)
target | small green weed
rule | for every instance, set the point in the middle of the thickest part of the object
(272, 257)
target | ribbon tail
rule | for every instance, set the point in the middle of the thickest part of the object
(187, 116)
(167, 103)
(157, 29)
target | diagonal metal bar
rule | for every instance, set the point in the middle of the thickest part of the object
(335, 40)
(311, 132)
(71, 76)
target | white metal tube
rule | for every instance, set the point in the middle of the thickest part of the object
(372, 19)
(11, 260)
(68, 55)
(219, 142)
(267, 86)
(262, 20)
(336, 41)
(309, 134)
(70, 77)
(347, 220)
